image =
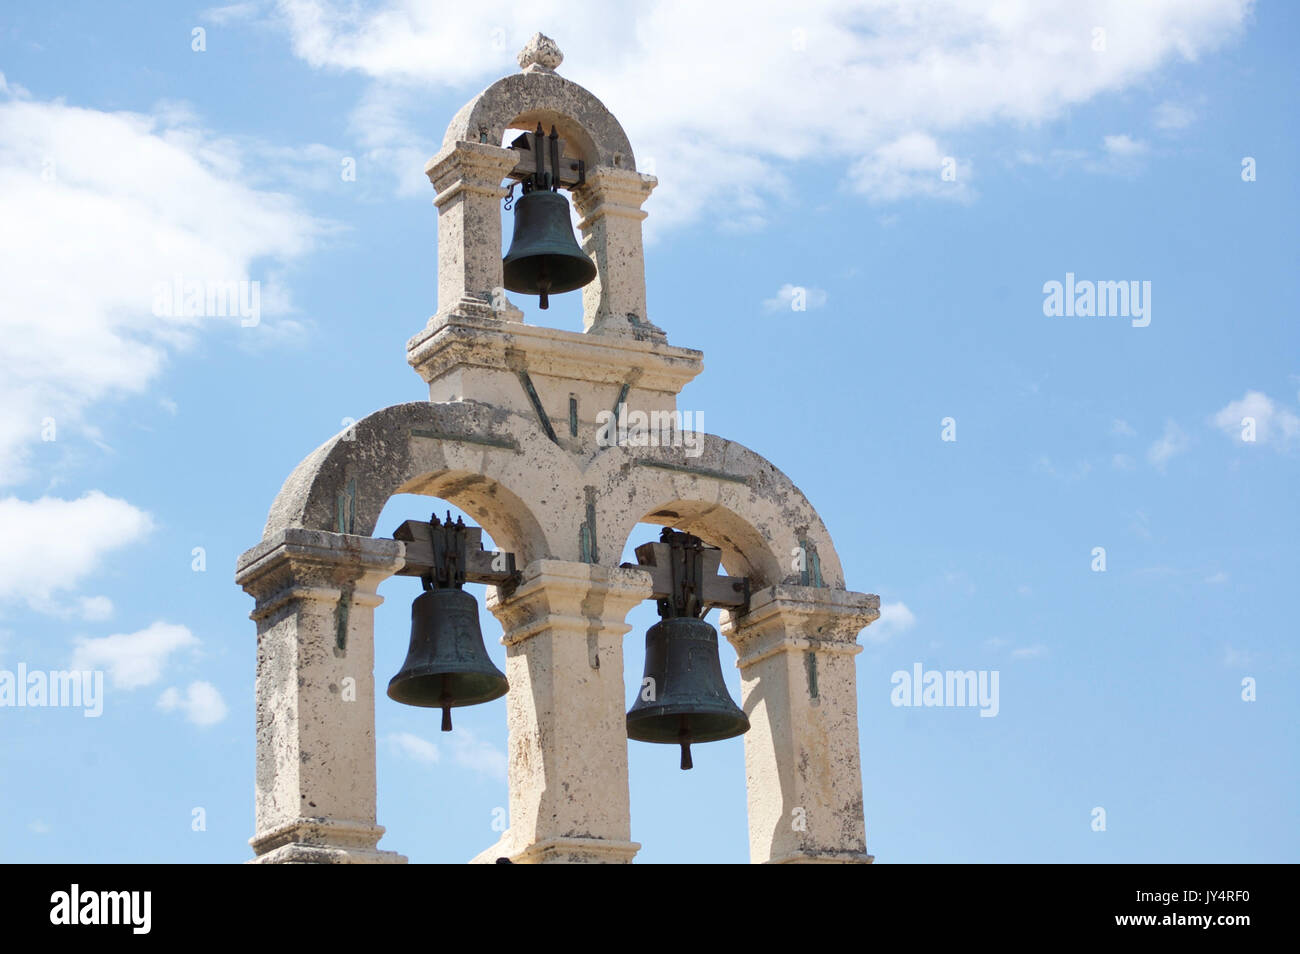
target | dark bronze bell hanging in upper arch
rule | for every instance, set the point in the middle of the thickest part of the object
(544, 258)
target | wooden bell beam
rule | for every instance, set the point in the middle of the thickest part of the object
(481, 566)
(571, 172)
(714, 589)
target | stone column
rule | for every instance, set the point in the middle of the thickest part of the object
(610, 208)
(799, 686)
(564, 627)
(315, 594)
(467, 177)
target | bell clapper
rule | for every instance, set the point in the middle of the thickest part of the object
(446, 703)
(684, 737)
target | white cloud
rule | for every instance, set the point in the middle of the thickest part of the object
(201, 703)
(1170, 444)
(231, 13)
(37, 827)
(1274, 423)
(477, 755)
(133, 659)
(1122, 428)
(1217, 578)
(467, 751)
(729, 103)
(911, 165)
(51, 545)
(414, 747)
(1123, 147)
(1077, 471)
(784, 299)
(99, 209)
(894, 618)
(95, 609)
(1037, 651)
(1236, 658)
(1170, 116)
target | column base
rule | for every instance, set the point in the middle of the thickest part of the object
(297, 853)
(563, 851)
(329, 841)
(825, 857)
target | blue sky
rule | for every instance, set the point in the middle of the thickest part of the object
(792, 149)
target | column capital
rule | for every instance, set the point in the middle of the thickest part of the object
(475, 167)
(556, 595)
(613, 192)
(786, 618)
(295, 563)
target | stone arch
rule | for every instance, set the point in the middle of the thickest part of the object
(480, 458)
(729, 496)
(579, 117)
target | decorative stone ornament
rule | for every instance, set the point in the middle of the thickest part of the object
(540, 53)
(517, 433)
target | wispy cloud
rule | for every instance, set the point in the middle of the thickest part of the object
(135, 659)
(201, 703)
(1256, 414)
(1238, 658)
(52, 545)
(909, 166)
(1170, 116)
(464, 748)
(895, 618)
(1170, 444)
(176, 200)
(877, 87)
(795, 298)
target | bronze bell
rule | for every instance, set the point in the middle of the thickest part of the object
(447, 664)
(686, 700)
(544, 257)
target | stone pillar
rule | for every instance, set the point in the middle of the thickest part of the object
(315, 594)
(467, 177)
(799, 686)
(564, 627)
(610, 208)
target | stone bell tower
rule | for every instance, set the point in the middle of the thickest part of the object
(509, 435)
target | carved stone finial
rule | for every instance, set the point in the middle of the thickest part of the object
(540, 53)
